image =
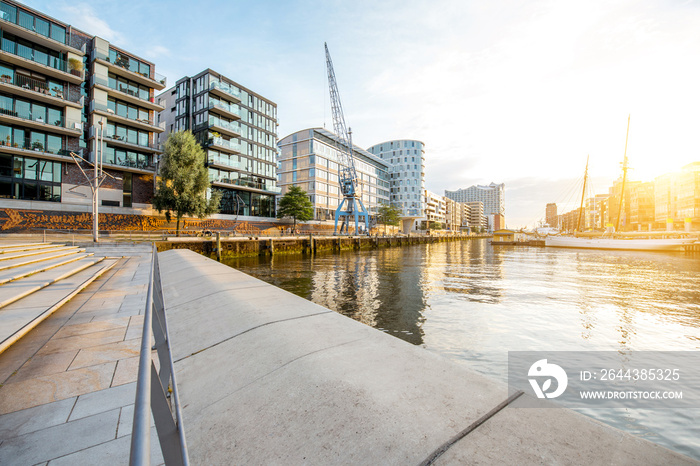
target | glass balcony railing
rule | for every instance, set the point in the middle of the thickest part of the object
(94, 106)
(140, 94)
(29, 144)
(235, 109)
(61, 122)
(222, 178)
(34, 85)
(218, 160)
(228, 89)
(28, 53)
(228, 125)
(221, 142)
(125, 64)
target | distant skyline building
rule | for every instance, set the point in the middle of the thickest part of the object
(309, 159)
(551, 215)
(493, 198)
(237, 129)
(406, 161)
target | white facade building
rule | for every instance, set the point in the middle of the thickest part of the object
(406, 161)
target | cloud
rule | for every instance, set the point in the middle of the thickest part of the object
(84, 17)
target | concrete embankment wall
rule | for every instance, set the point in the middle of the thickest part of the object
(266, 377)
(254, 246)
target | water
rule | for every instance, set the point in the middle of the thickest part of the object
(473, 303)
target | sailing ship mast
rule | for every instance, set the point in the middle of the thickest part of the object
(583, 195)
(624, 177)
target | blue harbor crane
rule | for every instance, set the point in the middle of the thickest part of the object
(351, 205)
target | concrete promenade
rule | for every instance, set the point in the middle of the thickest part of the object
(68, 386)
(266, 377)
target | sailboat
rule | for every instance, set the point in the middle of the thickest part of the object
(635, 244)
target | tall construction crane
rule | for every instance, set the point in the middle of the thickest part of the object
(347, 176)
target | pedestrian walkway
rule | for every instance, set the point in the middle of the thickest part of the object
(67, 387)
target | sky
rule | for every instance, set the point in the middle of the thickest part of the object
(507, 91)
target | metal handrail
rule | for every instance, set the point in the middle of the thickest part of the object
(153, 388)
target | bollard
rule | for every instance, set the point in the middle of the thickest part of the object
(218, 246)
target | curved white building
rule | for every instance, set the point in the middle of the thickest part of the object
(406, 161)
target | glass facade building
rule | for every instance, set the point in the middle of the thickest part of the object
(309, 159)
(237, 129)
(58, 87)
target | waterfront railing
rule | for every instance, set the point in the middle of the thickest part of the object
(156, 390)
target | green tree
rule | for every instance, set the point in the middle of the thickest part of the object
(389, 214)
(295, 204)
(182, 188)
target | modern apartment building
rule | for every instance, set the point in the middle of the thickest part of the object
(435, 209)
(309, 160)
(491, 196)
(477, 219)
(58, 87)
(456, 215)
(406, 161)
(238, 130)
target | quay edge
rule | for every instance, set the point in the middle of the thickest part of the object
(261, 246)
(267, 377)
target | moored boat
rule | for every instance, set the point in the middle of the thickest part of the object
(662, 244)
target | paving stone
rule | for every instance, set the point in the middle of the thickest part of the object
(45, 389)
(44, 364)
(60, 440)
(127, 371)
(103, 400)
(109, 453)
(105, 353)
(57, 345)
(92, 327)
(135, 329)
(37, 418)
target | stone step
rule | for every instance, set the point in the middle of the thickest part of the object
(14, 291)
(38, 257)
(20, 317)
(10, 256)
(15, 273)
(5, 248)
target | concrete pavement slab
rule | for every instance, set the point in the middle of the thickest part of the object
(60, 440)
(104, 400)
(36, 418)
(105, 353)
(45, 389)
(517, 436)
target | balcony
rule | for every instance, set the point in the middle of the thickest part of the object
(142, 124)
(61, 125)
(29, 33)
(228, 128)
(36, 90)
(125, 94)
(54, 67)
(157, 82)
(229, 111)
(121, 141)
(224, 163)
(224, 90)
(223, 144)
(223, 181)
(29, 147)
